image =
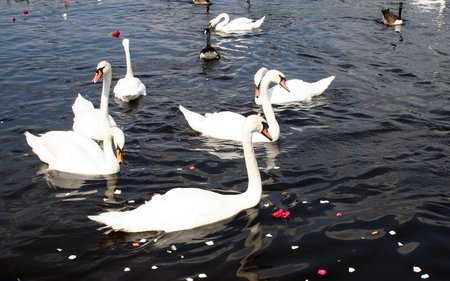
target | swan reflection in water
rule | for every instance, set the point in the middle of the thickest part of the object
(74, 183)
(217, 232)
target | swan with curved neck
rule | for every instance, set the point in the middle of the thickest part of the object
(222, 23)
(129, 88)
(389, 18)
(94, 122)
(70, 152)
(299, 90)
(209, 52)
(187, 208)
(226, 124)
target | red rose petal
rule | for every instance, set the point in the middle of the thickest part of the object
(322, 272)
(25, 12)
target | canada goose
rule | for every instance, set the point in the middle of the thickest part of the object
(389, 18)
(209, 53)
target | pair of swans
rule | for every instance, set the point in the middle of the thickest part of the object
(222, 23)
(227, 125)
(299, 89)
(77, 151)
(187, 208)
(389, 18)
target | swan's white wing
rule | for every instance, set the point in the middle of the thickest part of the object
(67, 151)
(90, 123)
(128, 89)
(80, 104)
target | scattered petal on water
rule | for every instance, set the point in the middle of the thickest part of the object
(179, 169)
(417, 269)
(324, 201)
(72, 257)
(191, 168)
(400, 244)
(294, 247)
(375, 232)
(322, 272)
(154, 267)
(13, 19)
(276, 167)
(143, 240)
(25, 12)
(392, 232)
(362, 237)
(126, 269)
(135, 244)
(281, 214)
(351, 269)
(209, 243)
(189, 279)
(202, 275)
(338, 214)
(131, 201)
(117, 191)
(305, 202)
(425, 276)
(65, 16)
(266, 205)
(59, 249)
(269, 235)
(173, 248)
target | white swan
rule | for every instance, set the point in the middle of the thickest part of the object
(299, 89)
(209, 52)
(389, 18)
(227, 125)
(70, 152)
(187, 208)
(222, 23)
(129, 88)
(93, 122)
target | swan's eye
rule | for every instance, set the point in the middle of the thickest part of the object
(100, 70)
(282, 78)
(265, 126)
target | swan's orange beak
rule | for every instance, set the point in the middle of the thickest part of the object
(119, 155)
(265, 132)
(97, 76)
(256, 91)
(284, 85)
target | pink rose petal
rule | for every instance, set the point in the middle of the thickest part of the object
(322, 272)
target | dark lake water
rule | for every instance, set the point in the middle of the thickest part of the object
(363, 168)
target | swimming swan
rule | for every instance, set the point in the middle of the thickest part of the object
(129, 88)
(222, 23)
(389, 18)
(70, 152)
(226, 124)
(299, 89)
(93, 122)
(209, 53)
(187, 208)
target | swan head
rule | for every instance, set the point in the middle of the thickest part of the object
(257, 79)
(216, 20)
(126, 43)
(119, 141)
(256, 123)
(103, 68)
(273, 76)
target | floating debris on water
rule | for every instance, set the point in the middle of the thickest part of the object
(269, 235)
(126, 269)
(202, 275)
(294, 247)
(322, 272)
(154, 267)
(351, 269)
(209, 243)
(72, 257)
(392, 232)
(324, 201)
(425, 276)
(417, 269)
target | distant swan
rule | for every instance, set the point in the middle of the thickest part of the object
(187, 208)
(129, 88)
(93, 122)
(299, 90)
(222, 23)
(209, 53)
(70, 152)
(389, 18)
(226, 124)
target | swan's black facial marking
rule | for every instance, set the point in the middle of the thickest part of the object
(265, 131)
(100, 70)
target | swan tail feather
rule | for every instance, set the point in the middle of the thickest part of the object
(322, 85)
(194, 119)
(38, 149)
(259, 22)
(118, 221)
(80, 104)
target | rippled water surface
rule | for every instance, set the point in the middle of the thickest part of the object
(368, 157)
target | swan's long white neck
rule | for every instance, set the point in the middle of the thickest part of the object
(252, 195)
(126, 47)
(225, 21)
(104, 100)
(274, 127)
